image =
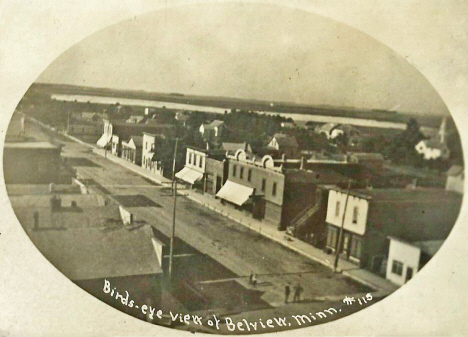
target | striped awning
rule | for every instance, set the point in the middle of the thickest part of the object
(189, 175)
(236, 193)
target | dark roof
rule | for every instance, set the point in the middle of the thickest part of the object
(235, 146)
(455, 170)
(418, 195)
(127, 130)
(138, 140)
(209, 152)
(92, 253)
(285, 140)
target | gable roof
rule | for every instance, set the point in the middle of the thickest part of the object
(326, 127)
(434, 143)
(137, 140)
(213, 124)
(285, 140)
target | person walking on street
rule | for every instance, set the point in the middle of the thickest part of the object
(297, 292)
(287, 291)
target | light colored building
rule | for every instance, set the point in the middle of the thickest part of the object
(135, 119)
(182, 117)
(205, 169)
(212, 130)
(195, 165)
(288, 125)
(132, 150)
(405, 259)
(149, 160)
(332, 130)
(455, 179)
(435, 147)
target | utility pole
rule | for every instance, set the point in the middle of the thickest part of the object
(174, 181)
(340, 237)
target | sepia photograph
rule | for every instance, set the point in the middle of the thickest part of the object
(234, 168)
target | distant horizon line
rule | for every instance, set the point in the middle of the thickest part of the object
(246, 100)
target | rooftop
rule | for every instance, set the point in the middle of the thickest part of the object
(93, 253)
(429, 247)
(285, 140)
(31, 145)
(418, 195)
(455, 170)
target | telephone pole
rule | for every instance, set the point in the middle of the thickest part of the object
(174, 182)
(340, 237)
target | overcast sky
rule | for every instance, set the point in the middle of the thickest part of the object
(247, 51)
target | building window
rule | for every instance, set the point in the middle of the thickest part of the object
(331, 237)
(241, 173)
(249, 175)
(201, 162)
(263, 184)
(337, 209)
(397, 267)
(146, 146)
(355, 214)
(234, 170)
(273, 192)
(356, 248)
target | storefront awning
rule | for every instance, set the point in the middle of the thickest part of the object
(189, 175)
(236, 193)
(104, 140)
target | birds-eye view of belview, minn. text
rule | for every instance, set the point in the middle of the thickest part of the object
(234, 169)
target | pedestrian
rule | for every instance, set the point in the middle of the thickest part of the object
(36, 220)
(251, 277)
(287, 291)
(254, 280)
(297, 292)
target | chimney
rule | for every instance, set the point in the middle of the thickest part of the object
(302, 163)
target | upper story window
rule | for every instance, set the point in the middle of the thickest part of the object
(337, 209)
(263, 184)
(355, 214)
(249, 175)
(234, 170)
(200, 164)
(273, 192)
(241, 173)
